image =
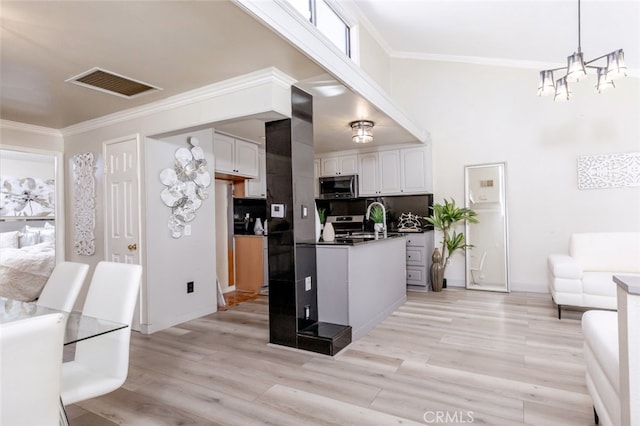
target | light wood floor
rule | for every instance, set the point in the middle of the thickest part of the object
(455, 357)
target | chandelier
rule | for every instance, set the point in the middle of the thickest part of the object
(576, 69)
(361, 131)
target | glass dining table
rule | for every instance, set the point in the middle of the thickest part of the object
(78, 327)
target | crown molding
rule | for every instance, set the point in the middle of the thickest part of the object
(270, 75)
(496, 62)
(30, 128)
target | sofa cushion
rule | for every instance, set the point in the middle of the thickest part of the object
(600, 330)
(607, 251)
(599, 283)
(562, 265)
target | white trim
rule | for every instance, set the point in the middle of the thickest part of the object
(15, 125)
(496, 62)
(305, 37)
(236, 84)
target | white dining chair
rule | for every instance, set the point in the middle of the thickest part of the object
(63, 286)
(30, 360)
(101, 364)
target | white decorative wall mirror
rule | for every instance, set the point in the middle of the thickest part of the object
(487, 262)
(186, 184)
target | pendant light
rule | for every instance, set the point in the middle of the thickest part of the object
(576, 70)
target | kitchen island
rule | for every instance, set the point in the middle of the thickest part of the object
(361, 281)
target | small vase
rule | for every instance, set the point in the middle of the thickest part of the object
(328, 233)
(257, 228)
(437, 271)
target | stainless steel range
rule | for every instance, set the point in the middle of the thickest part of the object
(346, 225)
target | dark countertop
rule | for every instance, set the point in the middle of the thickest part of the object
(355, 241)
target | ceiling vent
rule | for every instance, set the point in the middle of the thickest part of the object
(109, 82)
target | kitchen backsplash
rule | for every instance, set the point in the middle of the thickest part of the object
(419, 205)
(256, 208)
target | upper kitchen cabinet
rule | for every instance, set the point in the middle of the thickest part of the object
(257, 188)
(341, 165)
(235, 157)
(400, 171)
(380, 173)
(415, 164)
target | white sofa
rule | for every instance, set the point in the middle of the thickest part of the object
(584, 276)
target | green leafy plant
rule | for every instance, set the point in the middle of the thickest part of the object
(322, 214)
(377, 214)
(444, 218)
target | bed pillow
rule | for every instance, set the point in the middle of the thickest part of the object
(29, 238)
(47, 235)
(9, 239)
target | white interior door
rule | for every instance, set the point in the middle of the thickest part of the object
(122, 204)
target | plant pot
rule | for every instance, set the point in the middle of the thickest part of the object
(436, 272)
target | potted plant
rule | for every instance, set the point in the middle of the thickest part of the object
(444, 218)
(377, 215)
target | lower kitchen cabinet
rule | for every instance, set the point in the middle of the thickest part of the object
(249, 262)
(418, 257)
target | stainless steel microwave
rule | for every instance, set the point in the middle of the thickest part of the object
(343, 186)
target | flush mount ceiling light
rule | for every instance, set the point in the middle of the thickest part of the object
(361, 131)
(576, 69)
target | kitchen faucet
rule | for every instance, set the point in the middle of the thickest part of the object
(384, 219)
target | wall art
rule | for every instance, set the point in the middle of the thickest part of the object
(609, 170)
(186, 184)
(84, 204)
(27, 196)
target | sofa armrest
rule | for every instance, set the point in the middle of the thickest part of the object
(564, 266)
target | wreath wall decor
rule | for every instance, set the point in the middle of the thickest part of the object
(186, 186)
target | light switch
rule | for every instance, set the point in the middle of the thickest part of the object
(305, 211)
(277, 210)
(307, 284)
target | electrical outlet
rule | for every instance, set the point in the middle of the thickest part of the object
(307, 284)
(307, 312)
(190, 287)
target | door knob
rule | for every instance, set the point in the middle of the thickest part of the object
(132, 247)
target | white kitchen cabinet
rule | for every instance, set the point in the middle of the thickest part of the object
(418, 258)
(341, 165)
(379, 173)
(416, 170)
(368, 176)
(257, 188)
(235, 156)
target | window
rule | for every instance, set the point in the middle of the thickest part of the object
(326, 20)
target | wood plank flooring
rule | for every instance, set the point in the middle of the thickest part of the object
(454, 357)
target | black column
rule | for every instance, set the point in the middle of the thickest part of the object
(292, 256)
(293, 304)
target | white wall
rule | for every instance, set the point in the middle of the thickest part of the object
(373, 59)
(171, 262)
(482, 114)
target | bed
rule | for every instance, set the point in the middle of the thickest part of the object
(27, 257)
